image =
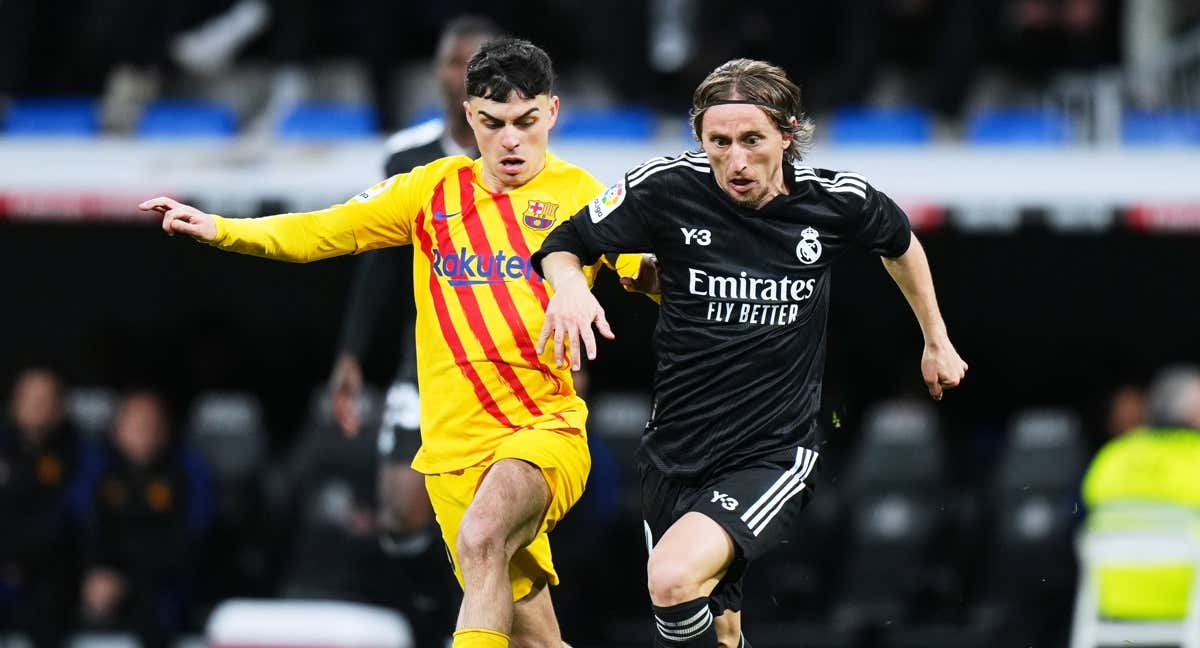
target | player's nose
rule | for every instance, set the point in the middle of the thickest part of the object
(509, 139)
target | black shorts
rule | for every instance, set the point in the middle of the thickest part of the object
(756, 502)
(400, 427)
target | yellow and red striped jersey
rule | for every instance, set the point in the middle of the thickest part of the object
(480, 305)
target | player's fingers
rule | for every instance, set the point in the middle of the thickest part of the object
(543, 336)
(574, 336)
(168, 219)
(589, 344)
(161, 203)
(558, 346)
(935, 390)
(603, 326)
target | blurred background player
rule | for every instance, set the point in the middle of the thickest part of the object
(383, 279)
(39, 455)
(145, 505)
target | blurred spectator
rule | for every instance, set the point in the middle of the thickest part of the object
(146, 503)
(1147, 469)
(1126, 411)
(38, 457)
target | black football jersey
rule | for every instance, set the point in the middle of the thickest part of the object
(740, 341)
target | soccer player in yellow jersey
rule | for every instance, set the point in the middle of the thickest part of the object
(503, 449)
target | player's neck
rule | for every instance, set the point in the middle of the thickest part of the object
(778, 188)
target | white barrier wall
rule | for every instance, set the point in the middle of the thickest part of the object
(985, 188)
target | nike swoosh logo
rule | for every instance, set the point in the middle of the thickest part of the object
(441, 216)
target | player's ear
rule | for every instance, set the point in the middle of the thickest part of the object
(789, 135)
(468, 112)
(553, 110)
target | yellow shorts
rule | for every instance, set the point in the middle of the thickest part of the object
(562, 455)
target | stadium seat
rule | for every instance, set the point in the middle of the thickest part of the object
(620, 123)
(872, 126)
(1165, 538)
(53, 117)
(227, 429)
(319, 121)
(1027, 569)
(896, 495)
(1160, 128)
(1019, 126)
(174, 118)
(303, 624)
(425, 114)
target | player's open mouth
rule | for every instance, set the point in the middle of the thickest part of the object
(512, 164)
(741, 185)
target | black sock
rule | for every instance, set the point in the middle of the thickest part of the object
(687, 625)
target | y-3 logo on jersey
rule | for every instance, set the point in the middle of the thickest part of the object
(699, 236)
(726, 502)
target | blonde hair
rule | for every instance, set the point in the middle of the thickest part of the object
(764, 85)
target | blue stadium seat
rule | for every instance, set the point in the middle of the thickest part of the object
(176, 118)
(427, 113)
(329, 121)
(54, 117)
(898, 126)
(620, 123)
(1160, 128)
(1020, 126)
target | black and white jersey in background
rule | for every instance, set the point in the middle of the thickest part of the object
(383, 279)
(740, 341)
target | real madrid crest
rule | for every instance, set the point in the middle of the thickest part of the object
(808, 250)
(539, 215)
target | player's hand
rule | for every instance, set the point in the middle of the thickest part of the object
(942, 368)
(345, 391)
(646, 280)
(569, 318)
(179, 218)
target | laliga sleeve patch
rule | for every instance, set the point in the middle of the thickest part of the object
(607, 202)
(374, 191)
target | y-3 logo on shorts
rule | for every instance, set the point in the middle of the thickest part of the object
(727, 502)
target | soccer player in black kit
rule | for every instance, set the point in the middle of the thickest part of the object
(745, 235)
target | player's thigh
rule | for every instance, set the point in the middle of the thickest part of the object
(729, 629)
(534, 622)
(694, 552)
(508, 505)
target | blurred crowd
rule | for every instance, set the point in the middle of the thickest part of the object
(264, 56)
(141, 520)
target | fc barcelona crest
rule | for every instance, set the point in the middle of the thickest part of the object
(539, 215)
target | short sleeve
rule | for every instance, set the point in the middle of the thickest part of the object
(883, 227)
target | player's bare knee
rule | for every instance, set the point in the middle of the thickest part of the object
(480, 542)
(670, 580)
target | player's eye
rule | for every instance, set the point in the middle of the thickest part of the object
(494, 125)
(526, 123)
(720, 141)
(752, 140)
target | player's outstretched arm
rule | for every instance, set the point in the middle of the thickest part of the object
(941, 366)
(572, 310)
(179, 218)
